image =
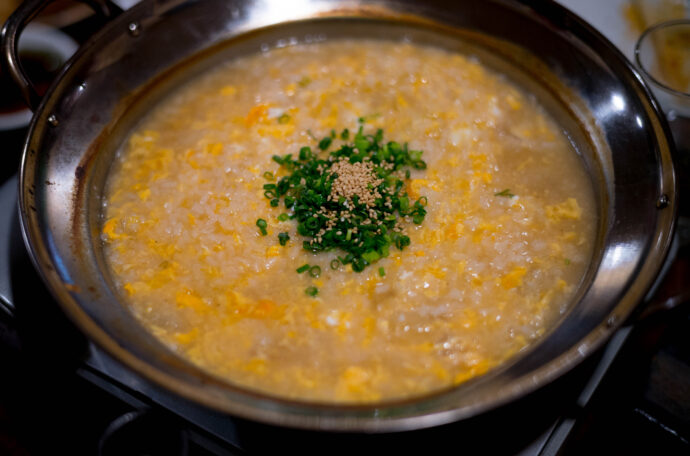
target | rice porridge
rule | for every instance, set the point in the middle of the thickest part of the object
(205, 251)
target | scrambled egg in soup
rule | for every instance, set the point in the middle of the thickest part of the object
(508, 233)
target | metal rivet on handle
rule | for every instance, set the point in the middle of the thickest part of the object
(663, 201)
(134, 28)
(52, 120)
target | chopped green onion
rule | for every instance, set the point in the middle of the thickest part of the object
(361, 143)
(404, 203)
(371, 256)
(415, 155)
(315, 271)
(312, 291)
(505, 193)
(305, 153)
(268, 175)
(358, 264)
(283, 238)
(384, 250)
(283, 119)
(382, 272)
(325, 143)
(305, 81)
(302, 268)
(363, 228)
(261, 223)
(401, 241)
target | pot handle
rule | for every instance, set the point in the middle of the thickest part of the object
(9, 41)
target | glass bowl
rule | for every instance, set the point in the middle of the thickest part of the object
(663, 55)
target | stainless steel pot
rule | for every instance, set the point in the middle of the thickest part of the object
(142, 54)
